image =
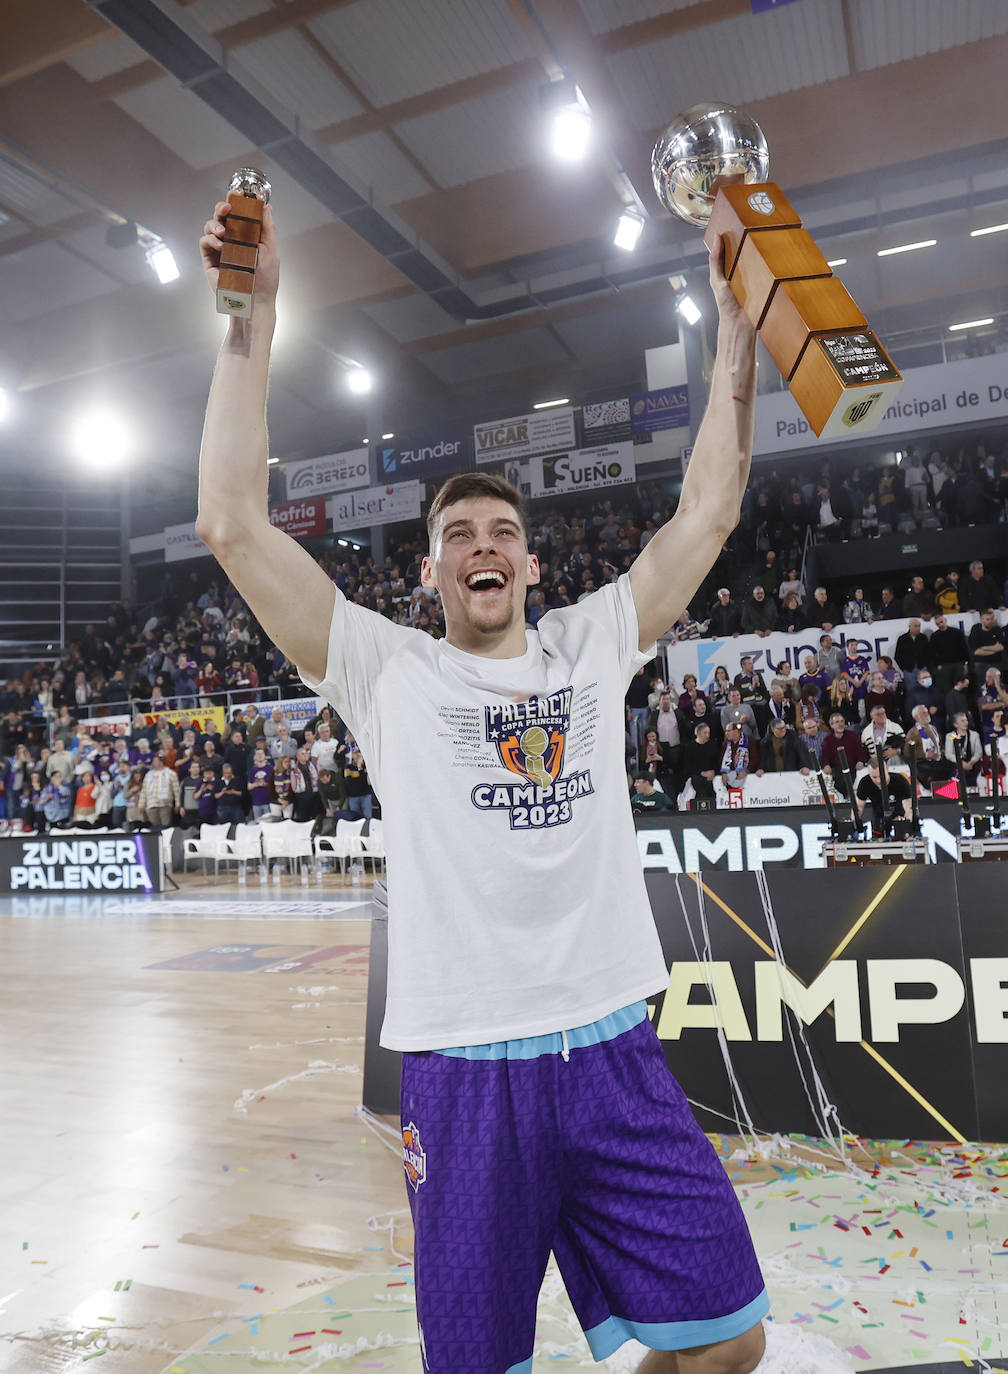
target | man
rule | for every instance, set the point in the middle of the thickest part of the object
(702, 761)
(159, 795)
(778, 750)
(736, 757)
(922, 691)
(810, 745)
(260, 783)
(480, 716)
(272, 726)
(918, 600)
(888, 609)
(780, 706)
(737, 713)
(882, 734)
(897, 800)
(255, 725)
(751, 684)
(830, 656)
(913, 649)
(970, 748)
(325, 748)
(840, 737)
(924, 743)
(648, 798)
(949, 652)
(979, 590)
(670, 725)
(822, 611)
(724, 620)
(229, 792)
(759, 616)
(987, 644)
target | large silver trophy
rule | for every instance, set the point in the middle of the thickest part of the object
(710, 168)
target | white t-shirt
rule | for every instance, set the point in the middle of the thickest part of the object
(517, 904)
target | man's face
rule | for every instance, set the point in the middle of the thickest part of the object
(724, 598)
(702, 734)
(820, 595)
(917, 584)
(810, 664)
(915, 627)
(747, 665)
(837, 723)
(481, 534)
(324, 731)
(887, 596)
(777, 692)
(811, 726)
(941, 621)
(878, 715)
(665, 702)
(779, 728)
(976, 571)
(758, 593)
(987, 619)
(827, 643)
(735, 697)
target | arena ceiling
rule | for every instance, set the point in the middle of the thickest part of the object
(426, 230)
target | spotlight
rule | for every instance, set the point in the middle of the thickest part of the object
(122, 235)
(359, 380)
(101, 439)
(629, 228)
(688, 308)
(571, 118)
(161, 261)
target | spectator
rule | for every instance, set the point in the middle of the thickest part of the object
(229, 793)
(922, 691)
(702, 761)
(915, 478)
(236, 757)
(959, 700)
(689, 695)
(84, 800)
(779, 750)
(669, 726)
(791, 586)
(738, 713)
(759, 616)
(822, 611)
(919, 600)
(781, 705)
(271, 727)
(888, 608)
(815, 676)
(980, 591)
(210, 758)
(892, 675)
(332, 794)
(283, 787)
(949, 652)
(703, 716)
(924, 745)
(787, 679)
(882, 735)
(810, 745)
(206, 795)
(841, 737)
(724, 621)
(636, 699)
(358, 787)
(991, 695)
(750, 683)
(654, 762)
(842, 700)
(969, 745)
(792, 617)
(326, 748)
(896, 801)
(647, 798)
(159, 794)
(913, 649)
(880, 694)
(255, 725)
(56, 801)
(717, 691)
(830, 524)
(686, 628)
(120, 786)
(870, 517)
(260, 783)
(947, 593)
(856, 609)
(830, 656)
(736, 758)
(190, 783)
(987, 644)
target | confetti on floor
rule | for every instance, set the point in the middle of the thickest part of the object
(900, 1259)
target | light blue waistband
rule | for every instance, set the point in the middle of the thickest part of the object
(534, 1046)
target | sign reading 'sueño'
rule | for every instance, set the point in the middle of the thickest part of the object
(522, 435)
(609, 465)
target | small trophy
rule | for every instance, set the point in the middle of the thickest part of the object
(248, 195)
(710, 168)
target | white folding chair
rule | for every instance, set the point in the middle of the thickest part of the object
(345, 844)
(288, 840)
(209, 846)
(374, 844)
(166, 853)
(246, 845)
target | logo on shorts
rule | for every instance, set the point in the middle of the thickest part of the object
(414, 1157)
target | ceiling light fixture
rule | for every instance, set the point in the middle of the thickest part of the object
(972, 324)
(836, 262)
(271, 461)
(161, 261)
(629, 228)
(688, 308)
(906, 248)
(570, 117)
(100, 438)
(359, 380)
(545, 405)
(388, 436)
(991, 229)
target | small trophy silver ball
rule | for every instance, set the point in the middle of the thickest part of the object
(247, 196)
(707, 146)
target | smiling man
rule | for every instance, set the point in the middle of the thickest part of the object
(538, 1113)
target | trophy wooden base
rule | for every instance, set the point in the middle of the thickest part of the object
(836, 369)
(236, 278)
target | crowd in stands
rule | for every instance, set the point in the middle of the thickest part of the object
(199, 645)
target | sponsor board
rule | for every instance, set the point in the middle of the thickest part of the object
(297, 711)
(428, 456)
(210, 719)
(609, 465)
(300, 519)
(606, 422)
(109, 725)
(180, 542)
(522, 435)
(666, 408)
(943, 395)
(331, 472)
(376, 506)
(53, 863)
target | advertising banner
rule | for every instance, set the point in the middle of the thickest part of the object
(432, 455)
(376, 506)
(610, 465)
(667, 408)
(107, 863)
(180, 542)
(109, 725)
(935, 397)
(522, 435)
(702, 656)
(331, 472)
(210, 719)
(297, 711)
(300, 519)
(607, 422)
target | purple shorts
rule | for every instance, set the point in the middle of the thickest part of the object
(512, 1150)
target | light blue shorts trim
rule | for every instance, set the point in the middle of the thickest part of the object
(524, 1368)
(614, 1331)
(534, 1046)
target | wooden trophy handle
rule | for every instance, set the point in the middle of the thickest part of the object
(242, 232)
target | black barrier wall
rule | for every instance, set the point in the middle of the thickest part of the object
(111, 861)
(897, 983)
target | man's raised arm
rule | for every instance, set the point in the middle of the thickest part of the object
(675, 562)
(290, 594)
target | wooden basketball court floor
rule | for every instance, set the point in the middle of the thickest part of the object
(188, 1185)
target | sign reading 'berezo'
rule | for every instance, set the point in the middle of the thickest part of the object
(522, 435)
(113, 864)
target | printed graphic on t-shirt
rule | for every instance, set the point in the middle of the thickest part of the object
(531, 738)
